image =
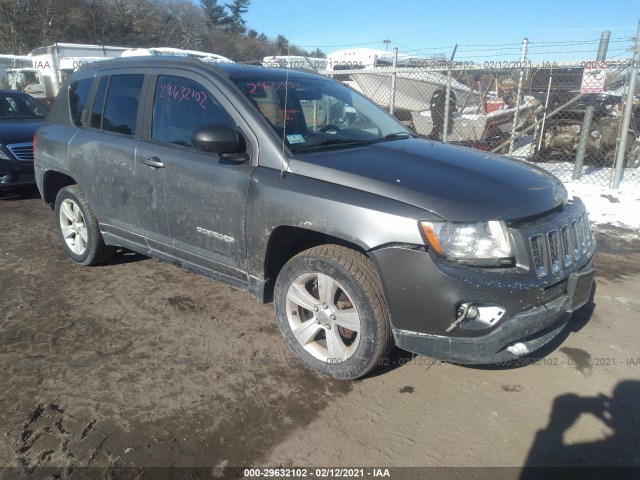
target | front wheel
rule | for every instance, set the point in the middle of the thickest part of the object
(78, 228)
(331, 311)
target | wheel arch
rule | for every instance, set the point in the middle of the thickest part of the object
(285, 242)
(52, 182)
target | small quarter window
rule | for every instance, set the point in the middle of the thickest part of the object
(78, 96)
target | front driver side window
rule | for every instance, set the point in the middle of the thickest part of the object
(181, 105)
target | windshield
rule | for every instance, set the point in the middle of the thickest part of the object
(15, 106)
(319, 113)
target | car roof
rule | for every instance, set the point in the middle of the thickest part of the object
(230, 70)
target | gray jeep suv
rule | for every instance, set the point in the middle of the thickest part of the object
(297, 189)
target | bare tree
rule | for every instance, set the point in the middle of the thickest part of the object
(185, 25)
(209, 26)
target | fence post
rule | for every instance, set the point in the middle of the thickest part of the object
(447, 98)
(523, 58)
(585, 129)
(628, 111)
(546, 106)
(393, 81)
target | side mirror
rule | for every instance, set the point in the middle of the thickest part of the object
(221, 139)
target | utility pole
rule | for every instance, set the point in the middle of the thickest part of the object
(523, 58)
(447, 98)
(393, 82)
(585, 129)
(628, 111)
(386, 42)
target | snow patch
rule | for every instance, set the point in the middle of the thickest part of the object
(607, 207)
(618, 208)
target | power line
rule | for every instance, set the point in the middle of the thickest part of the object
(486, 50)
(577, 42)
(343, 45)
(537, 53)
(511, 46)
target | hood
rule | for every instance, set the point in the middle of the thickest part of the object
(456, 183)
(18, 131)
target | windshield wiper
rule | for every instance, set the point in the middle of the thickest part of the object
(395, 136)
(348, 142)
(331, 142)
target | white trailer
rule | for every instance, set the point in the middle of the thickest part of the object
(51, 65)
(360, 58)
(14, 61)
(9, 62)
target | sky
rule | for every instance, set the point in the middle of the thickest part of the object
(485, 30)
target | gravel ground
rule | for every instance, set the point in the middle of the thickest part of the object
(137, 363)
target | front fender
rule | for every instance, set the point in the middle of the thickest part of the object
(356, 216)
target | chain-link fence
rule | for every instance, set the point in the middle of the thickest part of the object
(530, 111)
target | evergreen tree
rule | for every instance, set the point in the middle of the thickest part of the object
(282, 44)
(215, 14)
(238, 8)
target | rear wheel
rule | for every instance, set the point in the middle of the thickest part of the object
(331, 311)
(78, 228)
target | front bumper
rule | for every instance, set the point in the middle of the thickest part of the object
(15, 173)
(17, 179)
(532, 329)
(424, 295)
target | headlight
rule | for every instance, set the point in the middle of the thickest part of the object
(469, 241)
(3, 155)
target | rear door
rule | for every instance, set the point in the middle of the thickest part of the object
(103, 150)
(205, 197)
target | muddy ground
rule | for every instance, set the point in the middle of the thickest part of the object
(138, 363)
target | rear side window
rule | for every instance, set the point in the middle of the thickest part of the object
(78, 96)
(121, 105)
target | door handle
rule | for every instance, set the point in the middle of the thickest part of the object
(153, 162)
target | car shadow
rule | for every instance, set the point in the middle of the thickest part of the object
(399, 358)
(27, 192)
(123, 257)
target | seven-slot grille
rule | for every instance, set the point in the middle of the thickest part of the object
(22, 151)
(560, 247)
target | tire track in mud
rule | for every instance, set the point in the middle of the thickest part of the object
(53, 437)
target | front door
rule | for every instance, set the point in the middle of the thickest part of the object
(205, 197)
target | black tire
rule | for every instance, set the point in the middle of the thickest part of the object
(358, 287)
(95, 251)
